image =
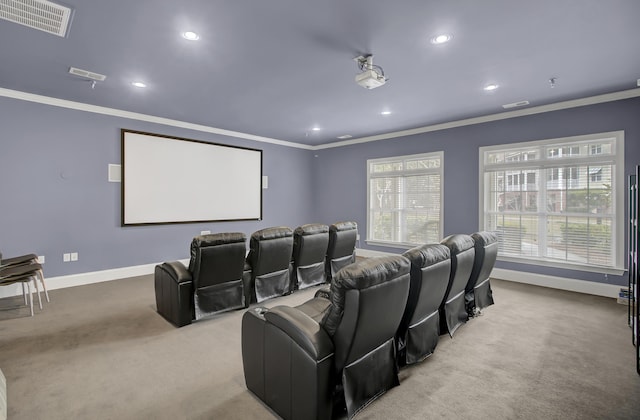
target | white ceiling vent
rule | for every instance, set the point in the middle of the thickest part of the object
(37, 14)
(86, 73)
(515, 104)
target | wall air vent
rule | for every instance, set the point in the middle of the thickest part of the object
(37, 14)
(515, 104)
(85, 73)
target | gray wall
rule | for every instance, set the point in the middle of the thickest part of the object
(56, 198)
(341, 172)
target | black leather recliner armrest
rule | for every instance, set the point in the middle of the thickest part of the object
(177, 271)
(174, 293)
(302, 329)
(288, 362)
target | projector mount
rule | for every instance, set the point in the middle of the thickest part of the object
(371, 76)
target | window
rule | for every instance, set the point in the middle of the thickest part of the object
(571, 217)
(405, 200)
(596, 174)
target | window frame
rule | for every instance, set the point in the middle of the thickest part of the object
(440, 171)
(616, 158)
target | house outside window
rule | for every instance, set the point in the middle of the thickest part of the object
(569, 211)
(405, 200)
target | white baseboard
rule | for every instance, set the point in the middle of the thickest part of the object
(368, 253)
(562, 283)
(81, 279)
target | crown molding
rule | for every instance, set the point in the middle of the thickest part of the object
(79, 106)
(592, 100)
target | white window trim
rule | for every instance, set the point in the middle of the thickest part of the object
(618, 187)
(404, 245)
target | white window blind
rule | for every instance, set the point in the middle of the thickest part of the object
(556, 202)
(405, 199)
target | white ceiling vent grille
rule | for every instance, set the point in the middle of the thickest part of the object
(86, 73)
(37, 14)
(515, 104)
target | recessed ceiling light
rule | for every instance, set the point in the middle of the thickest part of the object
(441, 39)
(385, 113)
(491, 87)
(191, 36)
(139, 84)
(316, 129)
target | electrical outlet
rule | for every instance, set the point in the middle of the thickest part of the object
(40, 259)
(357, 236)
(205, 232)
(74, 256)
(66, 257)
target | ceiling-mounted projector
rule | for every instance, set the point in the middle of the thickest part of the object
(371, 76)
(370, 79)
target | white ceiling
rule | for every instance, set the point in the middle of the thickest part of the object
(277, 68)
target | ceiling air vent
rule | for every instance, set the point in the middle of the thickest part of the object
(85, 73)
(37, 14)
(515, 104)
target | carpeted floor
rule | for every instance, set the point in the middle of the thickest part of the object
(102, 352)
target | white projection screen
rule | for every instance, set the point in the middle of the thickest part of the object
(175, 180)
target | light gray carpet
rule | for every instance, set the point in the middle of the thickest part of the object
(102, 352)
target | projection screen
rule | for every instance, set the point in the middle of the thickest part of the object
(176, 180)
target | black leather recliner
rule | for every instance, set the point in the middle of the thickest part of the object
(302, 360)
(309, 254)
(213, 282)
(342, 247)
(452, 310)
(269, 257)
(478, 293)
(419, 330)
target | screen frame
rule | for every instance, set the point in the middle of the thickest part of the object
(123, 213)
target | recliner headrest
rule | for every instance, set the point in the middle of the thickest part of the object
(371, 272)
(458, 243)
(484, 238)
(311, 229)
(361, 275)
(272, 233)
(428, 255)
(340, 226)
(218, 239)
